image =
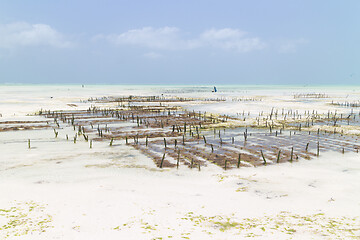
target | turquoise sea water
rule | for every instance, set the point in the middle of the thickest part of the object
(181, 88)
(36, 93)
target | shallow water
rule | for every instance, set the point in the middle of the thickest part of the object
(92, 192)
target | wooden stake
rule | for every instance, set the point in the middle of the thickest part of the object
(178, 160)
(262, 154)
(162, 161)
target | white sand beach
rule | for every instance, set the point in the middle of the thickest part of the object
(58, 189)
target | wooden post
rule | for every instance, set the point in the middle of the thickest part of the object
(262, 154)
(162, 161)
(178, 160)
(278, 157)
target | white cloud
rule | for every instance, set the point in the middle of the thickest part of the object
(25, 34)
(291, 46)
(228, 38)
(170, 38)
(167, 38)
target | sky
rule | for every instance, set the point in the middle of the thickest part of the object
(180, 42)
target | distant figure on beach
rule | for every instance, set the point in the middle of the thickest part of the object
(214, 89)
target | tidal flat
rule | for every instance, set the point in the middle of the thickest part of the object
(179, 162)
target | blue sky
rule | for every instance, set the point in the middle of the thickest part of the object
(180, 42)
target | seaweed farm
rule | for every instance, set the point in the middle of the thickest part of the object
(172, 135)
(131, 163)
(175, 120)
